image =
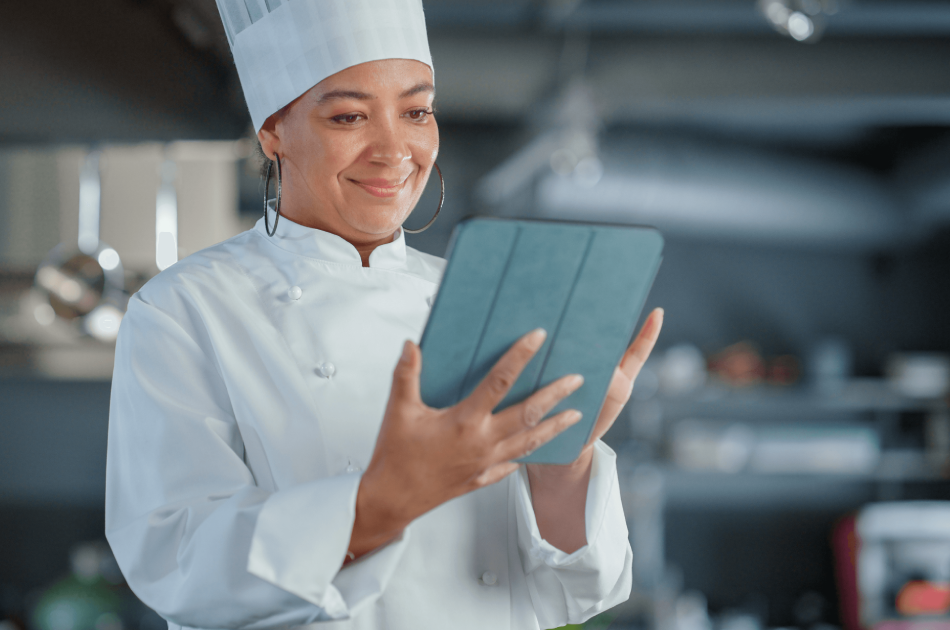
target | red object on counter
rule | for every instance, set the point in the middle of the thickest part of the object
(920, 597)
(912, 624)
(739, 365)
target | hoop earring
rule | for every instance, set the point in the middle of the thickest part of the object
(437, 210)
(267, 192)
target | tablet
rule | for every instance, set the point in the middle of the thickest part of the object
(585, 284)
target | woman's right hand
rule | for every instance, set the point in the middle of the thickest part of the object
(425, 457)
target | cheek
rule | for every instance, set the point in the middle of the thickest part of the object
(427, 145)
(328, 157)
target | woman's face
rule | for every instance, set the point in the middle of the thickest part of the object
(356, 150)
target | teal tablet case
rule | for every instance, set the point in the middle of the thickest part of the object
(585, 284)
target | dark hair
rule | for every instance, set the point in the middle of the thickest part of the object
(262, 159)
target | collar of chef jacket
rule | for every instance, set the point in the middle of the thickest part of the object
(314, 243)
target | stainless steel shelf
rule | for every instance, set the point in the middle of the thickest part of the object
(856, 396)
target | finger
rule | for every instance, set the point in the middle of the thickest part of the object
(496, 384)
(638, 352)
(495, 474)
(529, 412)
(529, 441)
(406, 375)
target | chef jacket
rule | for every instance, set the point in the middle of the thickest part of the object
(250, 382)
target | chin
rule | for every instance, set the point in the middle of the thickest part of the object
(376, 221)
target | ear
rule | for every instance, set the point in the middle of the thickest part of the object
(269, 138)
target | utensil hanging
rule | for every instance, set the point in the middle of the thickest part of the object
(85, 283)
(166, 218)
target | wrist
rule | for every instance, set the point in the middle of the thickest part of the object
(377, 520)
(560, 474)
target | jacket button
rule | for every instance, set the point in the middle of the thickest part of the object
(326, 370)
(295, 293)
(489, 578)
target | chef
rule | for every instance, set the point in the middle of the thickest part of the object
(270, 461)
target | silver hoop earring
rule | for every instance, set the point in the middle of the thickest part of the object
(437, 210)
(267, 192)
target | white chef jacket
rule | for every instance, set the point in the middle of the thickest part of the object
(250, 383)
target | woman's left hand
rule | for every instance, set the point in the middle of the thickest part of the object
(621, 385)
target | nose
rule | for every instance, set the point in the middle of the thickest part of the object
(389, 145)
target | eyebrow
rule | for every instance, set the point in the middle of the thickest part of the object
(343, 94)
(363, 96)
(418, 89)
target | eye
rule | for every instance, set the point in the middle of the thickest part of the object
(347, 119)
(419, 114)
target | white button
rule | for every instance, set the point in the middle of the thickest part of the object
(351, 467)
(489, 578)
(326, 370)
(295, 293)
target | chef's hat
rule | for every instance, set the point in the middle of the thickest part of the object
(282, 48)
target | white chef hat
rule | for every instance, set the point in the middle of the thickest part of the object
(282, 48)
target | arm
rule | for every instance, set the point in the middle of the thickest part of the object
(559, 500)
(572, 527)
(570, 588)
(195, 535)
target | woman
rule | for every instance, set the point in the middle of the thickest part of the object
(270, 460)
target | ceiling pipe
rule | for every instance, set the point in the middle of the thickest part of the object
(692, 190)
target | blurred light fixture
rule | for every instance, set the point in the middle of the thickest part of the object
(577, 154)
(90, 199)
(79, 284)
(44, 314)
(166, 219)
(802, 20)
(569, 147)
(108, 259)
(103, 322)
(588, 171)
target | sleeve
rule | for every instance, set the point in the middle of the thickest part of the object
(572, 588)
(196, 538)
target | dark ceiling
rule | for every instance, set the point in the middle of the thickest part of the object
(131, 70)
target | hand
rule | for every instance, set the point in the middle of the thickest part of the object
(621, 385)
(425, 457)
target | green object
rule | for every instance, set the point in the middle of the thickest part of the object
(600, 622)
(75, 604)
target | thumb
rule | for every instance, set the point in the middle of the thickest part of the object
(406, 374)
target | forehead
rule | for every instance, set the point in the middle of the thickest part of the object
(377, 78)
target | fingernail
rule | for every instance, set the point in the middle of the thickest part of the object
(575, 381)
(536, 338)
(574, 416)
(406, 352)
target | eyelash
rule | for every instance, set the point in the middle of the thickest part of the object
(423, 110)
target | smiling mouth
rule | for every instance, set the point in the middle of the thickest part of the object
(380, 187)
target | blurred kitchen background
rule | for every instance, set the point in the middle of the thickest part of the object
(785, 459)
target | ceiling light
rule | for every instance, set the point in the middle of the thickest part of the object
(802, 20)
(800, 26)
